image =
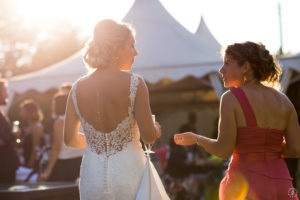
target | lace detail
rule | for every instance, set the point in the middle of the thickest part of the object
(133, 88)
(116, 140)
(99, 142)
(111, 159)
(103, 179)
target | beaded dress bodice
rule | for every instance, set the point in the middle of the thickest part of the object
(114, 141)
(113, 158)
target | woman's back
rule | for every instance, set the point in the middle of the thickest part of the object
(258, 148)
(271, 108)
(109, 104)
(114, 153)
(103, 99)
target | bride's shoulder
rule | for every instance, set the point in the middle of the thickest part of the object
(138, 76)
(80, 81)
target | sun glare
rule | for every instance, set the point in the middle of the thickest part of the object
(83, 13)
(221, 20)
(34, 10)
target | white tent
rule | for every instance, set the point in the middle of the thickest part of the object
(67, 70)
(291, 62)
(291, 70)
(166, 48)
(204, 33)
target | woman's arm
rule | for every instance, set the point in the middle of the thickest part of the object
(56, 146)
(37, 134)
(292, 146)
(72, 137)
(149, 131)
(224, 145)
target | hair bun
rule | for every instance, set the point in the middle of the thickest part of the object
(108, 37)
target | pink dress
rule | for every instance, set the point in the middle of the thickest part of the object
(256, 170)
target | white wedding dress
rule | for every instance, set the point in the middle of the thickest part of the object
(114, 174)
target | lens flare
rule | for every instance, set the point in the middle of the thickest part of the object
(237, 187)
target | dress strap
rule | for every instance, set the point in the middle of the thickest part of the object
(74, 98)
(248, 111)
(134, 82)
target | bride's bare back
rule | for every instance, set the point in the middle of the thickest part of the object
(103, 99)
(103, 102)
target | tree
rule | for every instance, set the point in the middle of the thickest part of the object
(26, 48)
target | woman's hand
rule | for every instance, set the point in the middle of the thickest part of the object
(158, 130)
(185, 139)
(44, 176)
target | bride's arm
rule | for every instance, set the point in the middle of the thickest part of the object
(72, 137)
(149, 131)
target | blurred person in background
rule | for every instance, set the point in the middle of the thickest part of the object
(9, 161)
(64, 163)
(32, 133)
(65, 88)
(190, 125)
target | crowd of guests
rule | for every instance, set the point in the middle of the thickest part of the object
(8, 155)
(24, 148)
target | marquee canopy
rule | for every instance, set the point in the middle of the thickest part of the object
(166, 50)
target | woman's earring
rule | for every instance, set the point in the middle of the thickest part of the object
(244, 79)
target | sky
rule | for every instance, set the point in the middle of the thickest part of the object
(228, 20)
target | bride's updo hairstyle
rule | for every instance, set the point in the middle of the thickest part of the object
(265, 68)
(108, 37)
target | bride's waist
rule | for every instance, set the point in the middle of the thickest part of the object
(110, 149)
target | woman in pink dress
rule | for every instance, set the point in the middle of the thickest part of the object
(258, 126)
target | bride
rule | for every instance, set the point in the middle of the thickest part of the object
(112, 106)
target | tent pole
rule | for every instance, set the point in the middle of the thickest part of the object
(285, 79)
(216, 84)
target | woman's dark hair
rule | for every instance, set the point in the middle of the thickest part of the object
(263, 64)
(60, 103)
(33, 110)
(3, 82)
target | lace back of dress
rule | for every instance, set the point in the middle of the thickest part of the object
(116, 140)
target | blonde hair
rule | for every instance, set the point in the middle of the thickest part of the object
(108, 37)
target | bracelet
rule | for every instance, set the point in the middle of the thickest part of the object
(198, 138)
(156, 131)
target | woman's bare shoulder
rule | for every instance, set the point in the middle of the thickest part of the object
(82, 81)
(283, 97)
(228, 98)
